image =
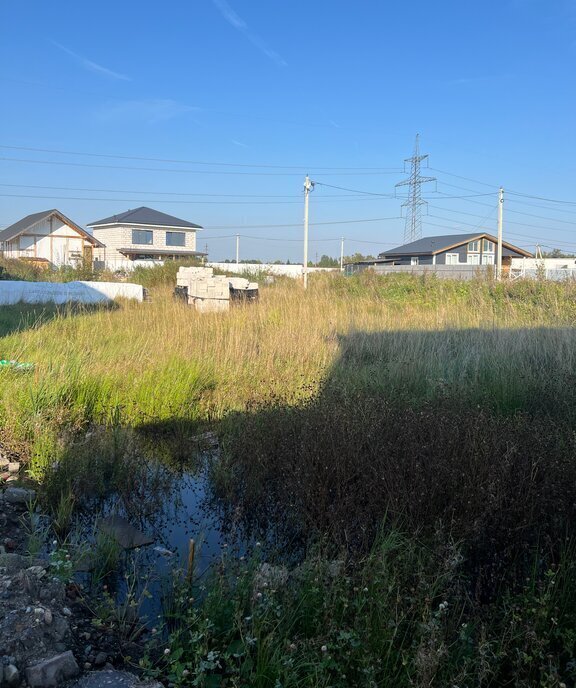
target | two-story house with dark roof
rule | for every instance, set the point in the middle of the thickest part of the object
(144, 234)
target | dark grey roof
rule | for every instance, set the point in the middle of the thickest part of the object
(437, 244)
(160, 251)
(145, 216)
(30, 220)
(431, 244)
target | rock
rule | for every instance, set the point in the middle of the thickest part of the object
(48, 618)
(11, 676)
(19, 495)
(50, 673)
(124, 532)
(66, 611)
(100, 659)
(113, 679)
(13, 467)
(37, 571)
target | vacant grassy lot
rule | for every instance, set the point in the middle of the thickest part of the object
(162, 360)
(422, 431)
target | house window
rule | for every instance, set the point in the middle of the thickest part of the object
(143, 236)
(474, 247)
(175, 239)
(414, 260)
(452, 259)
(488, 259)
(473, 259)
(488, 246)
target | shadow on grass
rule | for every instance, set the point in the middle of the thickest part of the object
(468, 433)
(21, 317)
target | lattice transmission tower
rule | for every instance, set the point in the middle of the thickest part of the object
(414, 202)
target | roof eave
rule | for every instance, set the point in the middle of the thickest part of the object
(141, 224)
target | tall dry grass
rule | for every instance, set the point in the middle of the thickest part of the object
(162, 360)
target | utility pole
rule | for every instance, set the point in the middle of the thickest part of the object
(308, 187)
(500, 218)
(206, 252)
(237, 249)
(341, 254)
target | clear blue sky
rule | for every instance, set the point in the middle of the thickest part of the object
(303, 86)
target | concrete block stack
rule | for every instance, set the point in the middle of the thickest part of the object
(211, 293)
(206, 292)
(241, 283)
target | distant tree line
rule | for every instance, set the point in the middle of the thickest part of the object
(324, 261)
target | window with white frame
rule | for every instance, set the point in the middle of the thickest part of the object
(474, 246)
(488, 259)
(452, 259)
(488, 246)
(473, 259)
(414, 260)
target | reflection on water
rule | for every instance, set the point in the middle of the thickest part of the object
(172, 504)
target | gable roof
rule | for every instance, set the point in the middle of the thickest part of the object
(436, 244)
(145, 216)
(29, 221)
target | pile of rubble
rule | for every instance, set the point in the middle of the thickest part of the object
(45, 638)
(208, 292)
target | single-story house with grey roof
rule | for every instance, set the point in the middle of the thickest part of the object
(48, 237)
(479, 248)
(144, 234)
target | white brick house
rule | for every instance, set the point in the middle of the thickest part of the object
(143, 234)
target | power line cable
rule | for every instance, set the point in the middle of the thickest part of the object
(163, 193)
(372, 193)
(541, 198)
(182, 171)
(342, 188)
(539, 205)
(175, 200)
(192, 162)
(315, 224)
(468, 179)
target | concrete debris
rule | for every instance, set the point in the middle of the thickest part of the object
(124, 532)
(50, 673)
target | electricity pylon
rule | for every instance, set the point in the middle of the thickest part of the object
(414, 202)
